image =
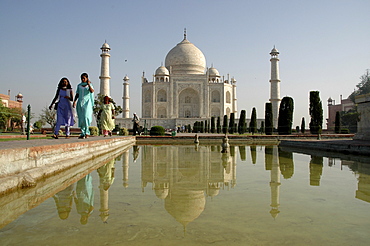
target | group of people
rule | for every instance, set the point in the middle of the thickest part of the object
(64, 102)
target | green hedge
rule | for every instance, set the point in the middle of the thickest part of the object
(123, 131)
(157, 131)
(94, 130)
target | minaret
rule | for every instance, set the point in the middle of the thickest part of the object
(233, 82)
(126, 98)
(275, 183)
(104, 74)
(275, 86)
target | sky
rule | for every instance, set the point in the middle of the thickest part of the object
(324, 46)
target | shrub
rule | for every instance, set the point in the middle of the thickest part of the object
(123, 131)
(344, 131)
(94, 130)
(157, 131)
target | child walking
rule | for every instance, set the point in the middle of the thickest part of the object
(107, 117)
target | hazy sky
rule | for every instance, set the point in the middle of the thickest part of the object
(324, 45)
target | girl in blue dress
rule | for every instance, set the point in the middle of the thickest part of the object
(62, 100)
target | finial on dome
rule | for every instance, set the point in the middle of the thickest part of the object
(184, 33)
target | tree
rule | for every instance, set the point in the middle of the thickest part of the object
(337, 122)
(262, 129)
(363, 87)
(303, 125)
(213, 128)
(268, 119)
(4, 116)
(49, 116)
(9, 116)
(285, 119)
(349, 120)
(242, 127)
(218, 124)
(232, 123)
(316, 112)
(253, 122)
(224, 125)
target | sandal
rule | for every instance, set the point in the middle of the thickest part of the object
(55, 136)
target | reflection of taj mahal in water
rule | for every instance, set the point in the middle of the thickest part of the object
(184, 176)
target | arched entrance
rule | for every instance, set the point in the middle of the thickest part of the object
(189, 104)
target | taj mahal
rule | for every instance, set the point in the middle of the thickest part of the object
(185, 90)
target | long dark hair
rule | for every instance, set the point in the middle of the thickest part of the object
(60, 85)
(85, 75)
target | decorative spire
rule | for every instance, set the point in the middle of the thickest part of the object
(184, 33)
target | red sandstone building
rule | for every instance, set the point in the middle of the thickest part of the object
(345, 105)
(16, 104)
(5, 99)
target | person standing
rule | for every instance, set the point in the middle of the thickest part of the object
(107, 117)
(136, 121)
(23, 124)
(64, 95)
(85, 104)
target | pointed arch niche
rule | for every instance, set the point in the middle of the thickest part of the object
(189, 103)
(162, 96)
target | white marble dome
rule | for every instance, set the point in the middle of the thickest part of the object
(105, 46)
(162, 71)
(185, 58)
(213, 72)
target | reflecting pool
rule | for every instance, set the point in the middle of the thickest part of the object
(196, 195)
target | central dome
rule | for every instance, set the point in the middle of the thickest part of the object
(185, 58)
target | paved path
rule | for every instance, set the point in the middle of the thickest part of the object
(35, 142)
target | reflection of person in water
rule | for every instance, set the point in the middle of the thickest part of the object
(135, 152)
(85, 198)
(106, 178)
(106, 175)
(63, 200)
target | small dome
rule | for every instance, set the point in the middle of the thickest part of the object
(19, 95)
(105, 46)
(185, 58)
(161, 193)
(274, 51)
(126, 78)
(162, 71)
(213, 72)
(330, 99)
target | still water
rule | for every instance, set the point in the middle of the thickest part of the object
(196, 195)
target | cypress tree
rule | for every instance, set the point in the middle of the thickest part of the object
(206, 126)
(253, 123)
(262, 129)
(225, 126)
(232, 123)
(285, 119)
(242, 124)
(315, 112)
(337, 122)
(218, 124)
(303, 125)
(213, 127)
(268, 119)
